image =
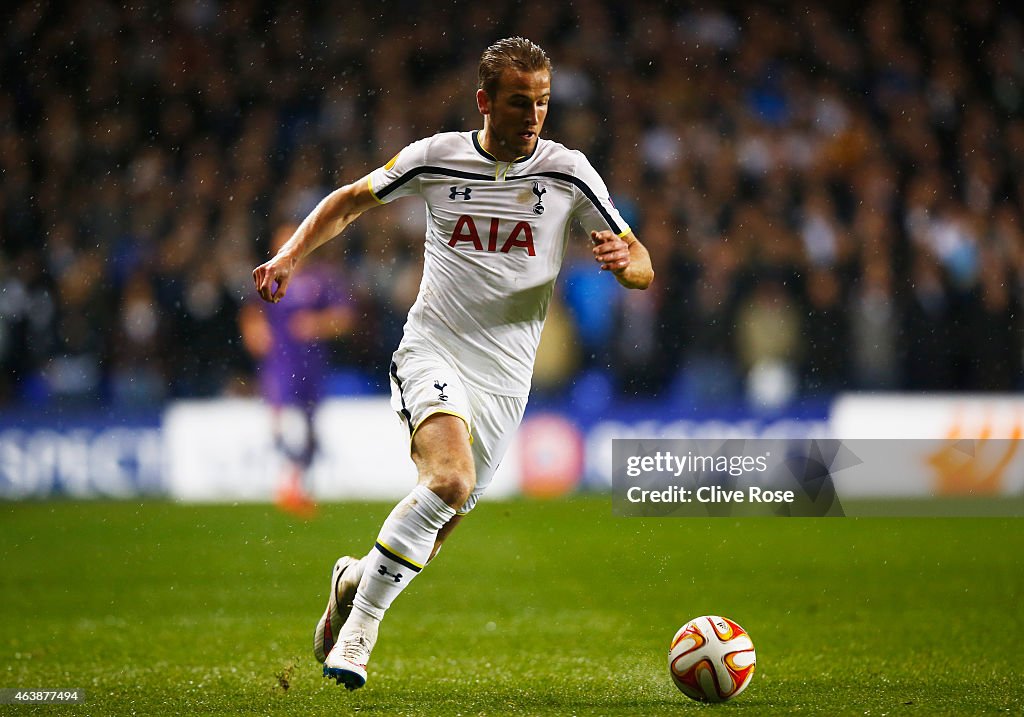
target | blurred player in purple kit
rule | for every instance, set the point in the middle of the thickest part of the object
(500, 204)
(291, 343)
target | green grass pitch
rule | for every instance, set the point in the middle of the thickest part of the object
(532, 608)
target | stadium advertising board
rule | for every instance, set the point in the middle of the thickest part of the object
(935, 445)
(221, 450)
(89, 458)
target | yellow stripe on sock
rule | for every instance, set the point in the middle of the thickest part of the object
(406, 558)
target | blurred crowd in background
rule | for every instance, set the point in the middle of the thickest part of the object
(833, 197)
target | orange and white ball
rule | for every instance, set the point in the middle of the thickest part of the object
(711, 659)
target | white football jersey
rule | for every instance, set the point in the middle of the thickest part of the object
(496, 235)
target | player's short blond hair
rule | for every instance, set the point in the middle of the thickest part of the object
(517, 53)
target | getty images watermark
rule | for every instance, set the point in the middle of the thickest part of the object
(816, 477)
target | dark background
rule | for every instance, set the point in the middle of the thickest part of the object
(832, 196)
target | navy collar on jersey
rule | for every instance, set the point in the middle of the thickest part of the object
(487, 155)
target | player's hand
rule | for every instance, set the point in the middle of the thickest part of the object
(272, 278)
(610, 251)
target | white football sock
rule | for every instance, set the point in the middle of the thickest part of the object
(402, 549)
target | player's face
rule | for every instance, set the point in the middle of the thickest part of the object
(515, 115)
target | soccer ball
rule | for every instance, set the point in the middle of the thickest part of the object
(711, 659)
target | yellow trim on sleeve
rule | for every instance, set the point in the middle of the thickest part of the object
(622, 235)
(406, 558)
(447, 412)
(369, 185)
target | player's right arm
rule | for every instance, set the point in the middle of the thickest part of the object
(335, 212)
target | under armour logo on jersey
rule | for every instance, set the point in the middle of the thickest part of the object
(540, 191)
(397, 577)
(440, 387)
(464, 193)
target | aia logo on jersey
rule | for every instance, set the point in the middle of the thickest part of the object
(520, 236)
(465, 193)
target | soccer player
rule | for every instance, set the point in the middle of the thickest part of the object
(290, 342)
(500, 202)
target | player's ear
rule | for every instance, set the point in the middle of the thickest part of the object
(483, 102)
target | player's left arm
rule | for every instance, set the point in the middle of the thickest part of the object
(625, 257)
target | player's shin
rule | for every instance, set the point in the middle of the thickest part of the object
(403, 547)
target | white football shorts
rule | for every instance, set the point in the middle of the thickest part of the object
(425, 382)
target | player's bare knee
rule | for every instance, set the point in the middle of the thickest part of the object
(453, 487)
